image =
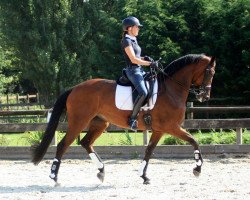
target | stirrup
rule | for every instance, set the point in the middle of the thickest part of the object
(132, 123)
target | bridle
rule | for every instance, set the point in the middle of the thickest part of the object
(199, 91)
(205, 87)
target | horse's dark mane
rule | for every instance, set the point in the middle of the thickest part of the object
(178, 64)
(181, 62)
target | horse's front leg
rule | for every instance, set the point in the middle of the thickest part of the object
(184, 135)
(156, 136)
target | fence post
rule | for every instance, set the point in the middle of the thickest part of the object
(37, 98)
(17, 101)
(190, 115)
(7, 98)
(239, 135)
(17, 98)
(145, 138)
(28, 100)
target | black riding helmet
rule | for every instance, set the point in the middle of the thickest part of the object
(130, 21)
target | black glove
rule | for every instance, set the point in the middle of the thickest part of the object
(147, 58)
(154, 65)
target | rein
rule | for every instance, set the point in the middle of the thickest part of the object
(193, 90)
(189, 90)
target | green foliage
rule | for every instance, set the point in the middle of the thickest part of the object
(170, 140)
(246, 137)
(33, 137)
(8, 75)
(211, 138)
(55, 44)
(228, 35)
(108, 139)
(127, 140)
(58, 43)
(207, 138)
(4, 141)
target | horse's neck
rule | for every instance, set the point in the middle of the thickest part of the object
(177, 87)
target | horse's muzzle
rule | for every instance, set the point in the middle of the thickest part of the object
(206, 98)
(203, 96)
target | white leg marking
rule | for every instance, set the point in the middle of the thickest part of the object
(52, 175)
(96, 160)
(143, 165)
(199, 163)
(197, 158)
(196, 154)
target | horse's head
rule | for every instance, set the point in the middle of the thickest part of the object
(204, 79)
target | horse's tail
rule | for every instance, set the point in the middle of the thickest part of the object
(39, 150)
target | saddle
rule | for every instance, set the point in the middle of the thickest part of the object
(149, 83)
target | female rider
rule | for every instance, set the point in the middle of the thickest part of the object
(134, 61)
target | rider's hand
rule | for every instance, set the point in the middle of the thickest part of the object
(154, 65)
(147, 58)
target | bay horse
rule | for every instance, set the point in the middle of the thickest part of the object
(92, 104)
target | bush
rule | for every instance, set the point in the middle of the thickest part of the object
(170, 140)
(33, 137)
(208, 138)
(228, 138)
(4, 140)
(127, 140)
(246, 137)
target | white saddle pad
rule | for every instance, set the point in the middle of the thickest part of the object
(124, 101)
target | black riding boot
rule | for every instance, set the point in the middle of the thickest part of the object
(132, 121)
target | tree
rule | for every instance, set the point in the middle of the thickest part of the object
(56, 44)
(60, 43)
(228, 35)
(9, 75)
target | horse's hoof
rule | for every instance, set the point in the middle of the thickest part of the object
(146, 180)
(53, 177)
(100, 176)
(196, 172)
(57, 184)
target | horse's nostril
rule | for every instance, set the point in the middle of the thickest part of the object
(207, 98)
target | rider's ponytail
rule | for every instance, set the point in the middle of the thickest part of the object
(123, 34)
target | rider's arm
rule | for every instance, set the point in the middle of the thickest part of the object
(131, 54)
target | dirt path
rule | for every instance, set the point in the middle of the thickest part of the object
(221, 178)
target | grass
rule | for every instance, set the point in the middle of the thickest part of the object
(106, 139)
(212, 137)
(128, 138)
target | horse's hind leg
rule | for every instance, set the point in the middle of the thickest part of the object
(184, 135)
(75, 125)
(96, 128)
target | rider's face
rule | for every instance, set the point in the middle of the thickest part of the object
(134, 30)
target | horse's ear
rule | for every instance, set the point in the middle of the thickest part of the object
(212, 60)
